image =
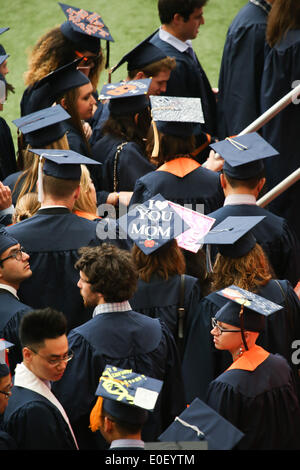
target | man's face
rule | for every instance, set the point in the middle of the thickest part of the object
(14, 270)
(90, 298)
(189, 29)
(159, 82)
(5, 386)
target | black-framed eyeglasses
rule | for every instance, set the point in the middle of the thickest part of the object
(7, 394)
(56, 361)
(16, 254)
(219, 328)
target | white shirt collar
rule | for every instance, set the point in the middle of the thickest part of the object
(127, 443)
(240, 199)
(181, 46)
(10, 289)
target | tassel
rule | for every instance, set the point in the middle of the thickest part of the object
(40, 181)
(95, 415)
(155, 150)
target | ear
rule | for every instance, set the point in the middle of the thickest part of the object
(63, 103)
(140, 75)
(261, 184)
(177, 18)
(27, 354)
(223, 180)
(107, 425)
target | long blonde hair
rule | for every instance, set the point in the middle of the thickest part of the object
(85, 201)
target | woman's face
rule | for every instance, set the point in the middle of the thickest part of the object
(85, 102)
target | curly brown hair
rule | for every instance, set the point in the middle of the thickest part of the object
(110, 271)
(249, 272)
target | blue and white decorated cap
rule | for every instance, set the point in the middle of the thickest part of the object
(253, 307)
(126, 97)
(2, 30)
(4, 347)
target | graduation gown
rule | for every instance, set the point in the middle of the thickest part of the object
(188, 79)
(183, 181)
(281, 73)
(6, 441)
(257, 395)
(241, 71)
(273, 233)
(127, 340)
(11, 313)
(11, 181)
(8, 163)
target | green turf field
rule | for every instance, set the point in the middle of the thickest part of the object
(129, 23)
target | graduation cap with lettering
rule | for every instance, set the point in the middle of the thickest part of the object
(4, 364)
(199, 422)
(244, 155)
(125, 395)
(126, 97)
(6, 241)
(152, 224)
(85, 29)
(245, 309)
(54, 85)
(43, 127)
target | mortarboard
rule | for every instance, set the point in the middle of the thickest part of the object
(4, 364)
(125, 395)
(152, 224)
(244, 155)
(6, 241)
(3, 55)
(199, 422)
(85, 29)
(233, 235)
(47, 90)
(2, 30)
(126, 97)
(43, 127)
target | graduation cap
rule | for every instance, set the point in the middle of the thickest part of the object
(199, 422)
(152, 224)
(6, 241)
(125, 395)
(176, 116)
(244, 155)
(2, 30)
(4, 364)
(43, 127)
(61, 164)
(85, 29)
(47, 90)
(126, 97)
(3, 55)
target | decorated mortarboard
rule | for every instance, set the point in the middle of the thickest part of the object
(85, 29)
(43, 127)
(4, 363)
(152, 224)
(245, 309)
(125, 395)
(6, 241)
(3, 54)
(244, 155)
(2, 30)
(127, 96)
(199, 422)
(175, 116)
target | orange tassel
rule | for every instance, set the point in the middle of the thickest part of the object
(95, 415)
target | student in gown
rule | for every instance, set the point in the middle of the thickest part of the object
(6, 441)
(240, 261)
(120, 337)
(281, 74)
(120, 416)
(34, 417)
(8, 163)
(257, 392)
(241, 68)
(14, 269)
(178, 177)
(242, 181)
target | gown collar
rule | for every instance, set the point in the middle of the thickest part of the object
(180, 167)
(250, 359)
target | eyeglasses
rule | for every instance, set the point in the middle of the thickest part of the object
(16, 254)
(221, 330)
(56, 362)
(7, 394)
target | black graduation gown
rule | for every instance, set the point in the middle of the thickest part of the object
(8, 163)
(281, 73)
(35, 423)
(52, 238)
(6, 441)
(277, 239)
(261, 403)
(10, 181)
(188, 79)
(203, 362)
(199, 187)
(98, 120)
(11, 313)
(241, 70)
(125, 340)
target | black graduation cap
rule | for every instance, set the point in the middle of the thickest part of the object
(6, 241)
(85, 29)
(254, 308)
(126, 97)
(199, 422)
(47, 90)
(43, 127)
(125, 395)
(152, 224)
(4, 368)
(244, 155)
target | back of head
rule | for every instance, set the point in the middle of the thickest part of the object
(153, 69)
(284, 16)
(26, 207)
(58, 188)
(38, 325)
(168, 8)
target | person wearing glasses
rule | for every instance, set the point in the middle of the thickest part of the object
(257, 392)
(34, 417)
(14, 269)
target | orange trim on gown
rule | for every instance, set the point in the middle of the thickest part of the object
(181, 166)
(86, 215)
(250, 359)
